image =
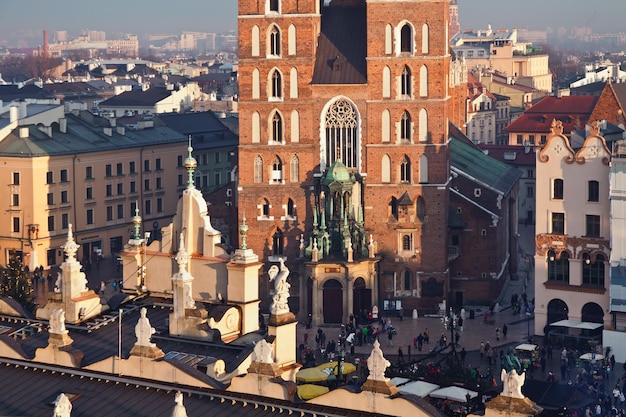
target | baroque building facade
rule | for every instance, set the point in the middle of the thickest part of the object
(343, 155)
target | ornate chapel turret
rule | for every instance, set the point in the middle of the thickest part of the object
(338, 229)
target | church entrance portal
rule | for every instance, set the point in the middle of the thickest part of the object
(333, 301)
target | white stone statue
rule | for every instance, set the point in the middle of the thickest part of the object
(219, 367)
(280, 304)
(143, 330)
(189, 302)
(263, 352)
(62, 406)
(57, 322)
(58, 283)
(179, 408)
(512, 383)
(377, 364)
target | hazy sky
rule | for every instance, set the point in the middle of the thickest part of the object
(602, 15)
(174, 16)
(129, 16)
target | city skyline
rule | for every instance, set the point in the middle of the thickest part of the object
(220, 16)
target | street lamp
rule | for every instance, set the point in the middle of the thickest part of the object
(528, 314)
(450, 323)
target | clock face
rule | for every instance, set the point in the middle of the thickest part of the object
(155, 225)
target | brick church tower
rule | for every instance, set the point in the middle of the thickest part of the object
(343, 155)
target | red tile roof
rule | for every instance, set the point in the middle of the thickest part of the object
(573, 111)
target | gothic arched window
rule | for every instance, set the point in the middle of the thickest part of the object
(277, 243)
(406, 38)
(276, 81)
(341, 134)
(277, 170)
(405, 126)
(294, 169)
(405, 82)
(274, 39)
(258, 169)
(277, 128)
(405, 169)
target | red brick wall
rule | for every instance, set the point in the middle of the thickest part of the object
(432, 234)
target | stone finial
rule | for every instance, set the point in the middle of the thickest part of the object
(594, 128)
(377, 364)
(179, 408)
(62, 406)
(243, 232)
(190, 165)
(70, 248)
(136, 223)
(182, 257)
(371, 247)
(315, 252)
(557, 127)
(301, 245)
(350, 251)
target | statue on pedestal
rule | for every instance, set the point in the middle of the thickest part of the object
(280, 304)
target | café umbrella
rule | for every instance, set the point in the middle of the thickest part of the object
(321, 372)
(453, 393)
(308, 391)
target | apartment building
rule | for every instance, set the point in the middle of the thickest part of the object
(79, 169)
(573, 235)
(500, 51)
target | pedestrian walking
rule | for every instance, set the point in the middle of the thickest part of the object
(409, 352)
(426, 336)
(490, 356)
(420, 341)
(463, 354)
(389, 338)
(400, 355)
(102, 287)
(460, 324)
(481, 349)
(505, 330)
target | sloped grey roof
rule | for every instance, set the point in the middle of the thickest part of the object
(487, 170)
(150, 97)
(342, 47)
(82, 137)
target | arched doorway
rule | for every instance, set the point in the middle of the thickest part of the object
(333, 301)
(557, 311)
(593, 313)
(362, 300)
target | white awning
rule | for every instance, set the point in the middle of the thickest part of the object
(574, 324)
